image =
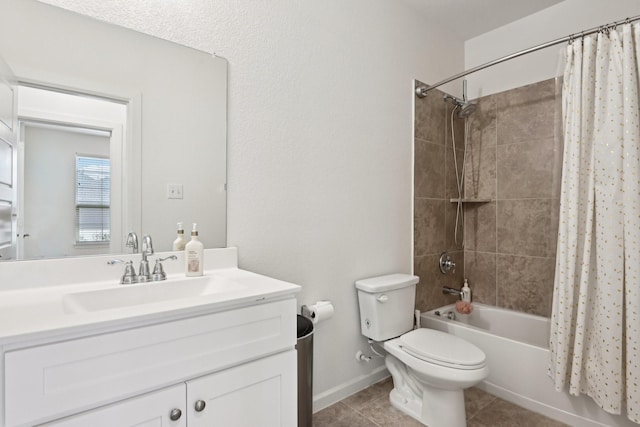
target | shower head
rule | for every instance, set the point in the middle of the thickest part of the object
(465, 108)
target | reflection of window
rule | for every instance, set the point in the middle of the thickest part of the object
(93, 194)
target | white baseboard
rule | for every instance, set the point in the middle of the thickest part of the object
(341, 391)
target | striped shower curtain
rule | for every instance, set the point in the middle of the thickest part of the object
(595, 332)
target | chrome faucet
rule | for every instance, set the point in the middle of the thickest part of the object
(158, 271)
(132, 242)
(448, 314)
(451, 291)
(144, 275)
(129, 275)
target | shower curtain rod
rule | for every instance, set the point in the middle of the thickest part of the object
(421, 91)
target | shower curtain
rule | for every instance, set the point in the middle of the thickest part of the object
(595, 332)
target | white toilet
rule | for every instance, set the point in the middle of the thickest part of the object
(430, 368)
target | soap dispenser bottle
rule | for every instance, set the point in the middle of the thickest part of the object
(466, 291)
(193, 255)
(179, 243)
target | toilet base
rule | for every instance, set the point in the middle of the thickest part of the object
(438, 408)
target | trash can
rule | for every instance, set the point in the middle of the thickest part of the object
(305, 371)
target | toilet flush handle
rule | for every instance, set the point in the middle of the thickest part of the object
(382, 298)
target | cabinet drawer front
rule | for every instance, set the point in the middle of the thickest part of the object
(55, 380)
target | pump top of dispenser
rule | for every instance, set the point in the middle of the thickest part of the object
(194, 231)
(178, 244)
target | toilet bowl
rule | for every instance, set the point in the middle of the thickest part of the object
(441, 366)
(430, 369)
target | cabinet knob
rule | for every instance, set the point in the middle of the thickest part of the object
(175, 414)
(200, 404)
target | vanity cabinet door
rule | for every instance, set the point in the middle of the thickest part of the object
(260, 393)
(163, 408)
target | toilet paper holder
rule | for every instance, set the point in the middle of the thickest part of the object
(320, 311)
(304, 310)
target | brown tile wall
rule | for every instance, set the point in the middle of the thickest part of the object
(514, 159)
(434, 215)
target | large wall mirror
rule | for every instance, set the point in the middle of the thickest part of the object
(105, 131)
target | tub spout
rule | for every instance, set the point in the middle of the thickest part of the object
(451, 291)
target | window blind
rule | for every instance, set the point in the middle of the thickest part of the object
(93, 196)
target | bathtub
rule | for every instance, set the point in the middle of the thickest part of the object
(517, 349)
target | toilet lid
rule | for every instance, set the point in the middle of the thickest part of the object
(442, 349)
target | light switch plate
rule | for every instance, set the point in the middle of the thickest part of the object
(174, 191)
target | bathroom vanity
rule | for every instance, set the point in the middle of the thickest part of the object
(210, 350)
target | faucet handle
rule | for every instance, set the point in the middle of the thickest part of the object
(129, 275)
(446, 263)
(158, 271)
(132, 242)
(147, 245)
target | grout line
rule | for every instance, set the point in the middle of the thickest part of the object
(440, 199)
(366, 417)
(428, 141)
(483, 408)
(509, 254)
(527, 141)
(495, 272)
(502, 199)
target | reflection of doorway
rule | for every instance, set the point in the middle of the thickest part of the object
(55, 130)
(50, 178)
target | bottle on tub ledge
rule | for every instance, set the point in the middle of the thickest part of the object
(193, 254)
(464, 306)
(179, 243)
(466, 291)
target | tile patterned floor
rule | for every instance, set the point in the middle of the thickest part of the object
(371, 408)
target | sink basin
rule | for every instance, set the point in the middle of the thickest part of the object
(145, 293)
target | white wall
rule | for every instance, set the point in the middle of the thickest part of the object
(563, 19)
(320, 141)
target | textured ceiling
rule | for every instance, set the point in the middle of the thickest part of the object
(470, 18)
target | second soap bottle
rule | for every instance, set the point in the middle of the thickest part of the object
(193, 254)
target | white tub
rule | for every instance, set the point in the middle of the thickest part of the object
(517, 349)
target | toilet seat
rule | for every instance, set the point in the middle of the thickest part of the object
(442, 349)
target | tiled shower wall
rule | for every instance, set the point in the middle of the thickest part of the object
(434, 185)
(514, 158)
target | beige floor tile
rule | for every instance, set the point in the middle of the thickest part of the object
(475, 400)
(371, 408)
(501, 413)
(366, 396)
(329, 415)
(382, 413)
(354, 420)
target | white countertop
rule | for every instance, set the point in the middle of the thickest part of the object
(50, 312)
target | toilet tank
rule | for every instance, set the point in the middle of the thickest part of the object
(386, 305)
